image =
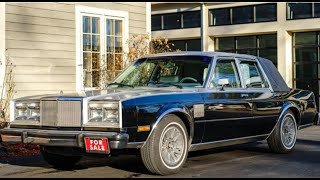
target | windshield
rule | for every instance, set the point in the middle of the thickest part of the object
(179, 71)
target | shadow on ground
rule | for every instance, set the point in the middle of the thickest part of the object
(133, 164)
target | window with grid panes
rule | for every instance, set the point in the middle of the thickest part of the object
(102, 44)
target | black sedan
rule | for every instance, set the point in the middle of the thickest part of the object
(165, 106)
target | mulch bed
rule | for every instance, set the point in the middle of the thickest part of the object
(10, 151)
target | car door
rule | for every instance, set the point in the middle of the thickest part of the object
(228, 111)
(266, 105)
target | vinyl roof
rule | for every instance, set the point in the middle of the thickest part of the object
(201, 53)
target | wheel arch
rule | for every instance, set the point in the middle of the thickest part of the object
(184, 114)
(294, 108)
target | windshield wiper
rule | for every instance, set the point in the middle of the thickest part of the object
(168, 83)
(121, 84)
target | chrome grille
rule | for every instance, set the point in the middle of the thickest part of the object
(60, 113)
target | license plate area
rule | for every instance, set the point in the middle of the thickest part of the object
(97, 145)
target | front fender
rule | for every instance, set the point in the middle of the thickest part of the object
(179, 110)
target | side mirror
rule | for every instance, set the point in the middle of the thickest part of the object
(223, 83)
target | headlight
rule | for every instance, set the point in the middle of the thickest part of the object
(27, 111)
(104, 112)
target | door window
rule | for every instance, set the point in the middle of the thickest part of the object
(252, 75)
(226, 69)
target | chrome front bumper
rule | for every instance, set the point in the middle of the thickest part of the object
(61, 138)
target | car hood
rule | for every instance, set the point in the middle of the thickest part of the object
(110, 94)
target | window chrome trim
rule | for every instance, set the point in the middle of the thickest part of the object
(219, 143)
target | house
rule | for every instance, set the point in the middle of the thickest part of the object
(57, 46)
(285, 32)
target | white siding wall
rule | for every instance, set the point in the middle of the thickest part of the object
(40, 38)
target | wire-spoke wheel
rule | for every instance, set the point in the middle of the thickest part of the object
(166, 150)
(288, 132)
(284, 136)
(172, 146)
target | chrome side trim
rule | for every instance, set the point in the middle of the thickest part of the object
(154, 126)
(210, 72)
(234, 119)
(289, 105)
(228, 142)
(135, 145)
(120, 114)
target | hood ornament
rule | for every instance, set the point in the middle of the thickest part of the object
(61, 92)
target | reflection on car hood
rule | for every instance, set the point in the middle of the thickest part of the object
(110, 93)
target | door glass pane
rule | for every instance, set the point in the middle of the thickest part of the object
(246, 42)
(299, 10)
(306, 55)
(220, 17)
(191, 19)
(266, 12)
(86, 42)
(172, 21)
(110, 27)
(242, 15)
(251, 75)
(118, 27)
(86, 24)
(305, 38)
(95, 25)
(226, 70)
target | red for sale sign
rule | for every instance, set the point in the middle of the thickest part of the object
(96, 145)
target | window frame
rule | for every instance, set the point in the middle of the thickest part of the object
(260, 71)
(103, 14)
(216, 60)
